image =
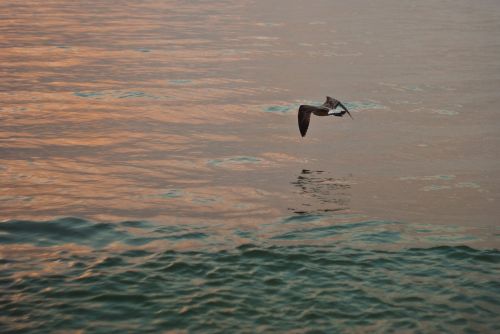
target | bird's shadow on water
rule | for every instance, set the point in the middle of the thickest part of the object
(320, 193)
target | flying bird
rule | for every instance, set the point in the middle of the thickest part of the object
(326, 109)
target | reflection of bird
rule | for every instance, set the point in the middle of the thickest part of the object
(326, 109)
(321, 193)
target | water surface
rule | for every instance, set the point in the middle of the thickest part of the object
(153, 177)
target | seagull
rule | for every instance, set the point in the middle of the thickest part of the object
(326, 109)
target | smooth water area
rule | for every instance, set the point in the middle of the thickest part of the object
(153, 177)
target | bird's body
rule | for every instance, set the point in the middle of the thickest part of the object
(326, 109)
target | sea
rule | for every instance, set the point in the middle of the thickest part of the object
(153, 178)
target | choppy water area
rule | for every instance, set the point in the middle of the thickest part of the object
(153, 177)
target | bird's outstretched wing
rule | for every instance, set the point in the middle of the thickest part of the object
(332, 103)
(304, 116)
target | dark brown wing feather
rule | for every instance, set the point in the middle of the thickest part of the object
(331, 103)
(304, 116)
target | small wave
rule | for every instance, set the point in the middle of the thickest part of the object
(71, 230)
(64, 230)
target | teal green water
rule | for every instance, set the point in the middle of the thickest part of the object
(263, 286)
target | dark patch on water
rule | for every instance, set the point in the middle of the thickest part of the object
(173, 193)
(124, 95)
(302, 217)
(89, 94)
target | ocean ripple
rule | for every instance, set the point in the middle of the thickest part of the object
(253, 286)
